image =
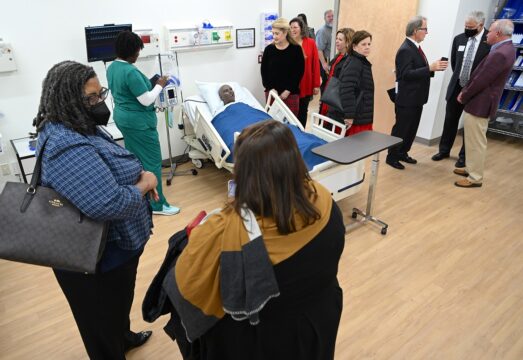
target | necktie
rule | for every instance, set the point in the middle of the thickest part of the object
(467, 64)
(422, 54)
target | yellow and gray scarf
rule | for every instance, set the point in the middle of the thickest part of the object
(227, 266)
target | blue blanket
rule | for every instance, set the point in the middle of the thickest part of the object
(238, 116)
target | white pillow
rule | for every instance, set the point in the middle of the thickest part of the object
(209, 92)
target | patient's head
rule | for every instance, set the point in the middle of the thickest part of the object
(226, 94)
(271, 176)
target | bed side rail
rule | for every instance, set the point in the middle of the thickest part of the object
(319, 124)
(278, 110)
(210, 140)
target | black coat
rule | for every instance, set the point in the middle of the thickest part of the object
(413, 76)
(356, 91)
(157, 302)
(339, 65)
(456, 59)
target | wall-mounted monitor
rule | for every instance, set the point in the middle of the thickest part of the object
(99, 41)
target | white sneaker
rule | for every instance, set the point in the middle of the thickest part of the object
(167, 210)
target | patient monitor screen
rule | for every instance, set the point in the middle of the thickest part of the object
(99, 41)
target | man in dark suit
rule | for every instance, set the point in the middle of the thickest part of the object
(468, 49)
(413, 74)
(481, 98)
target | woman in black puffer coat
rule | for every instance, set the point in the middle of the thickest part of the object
(356, 87)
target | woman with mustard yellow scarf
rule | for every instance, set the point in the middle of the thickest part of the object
(258, 280)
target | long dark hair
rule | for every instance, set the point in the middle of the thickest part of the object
(271, 177)
(303, 17)
(62, 98)
(306, 26)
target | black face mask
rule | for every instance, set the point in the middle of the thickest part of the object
(471, 32)
(100, 113)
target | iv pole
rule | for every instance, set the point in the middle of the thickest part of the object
(165, 110)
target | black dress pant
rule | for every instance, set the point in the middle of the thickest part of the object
(101, 304)
(304, 107)
(453, 112)
(406, 127)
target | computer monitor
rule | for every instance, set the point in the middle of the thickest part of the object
(99, 41)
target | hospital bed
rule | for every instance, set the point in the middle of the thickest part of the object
(206, 143)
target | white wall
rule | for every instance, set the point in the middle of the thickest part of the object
(43, 33)
(313, 9)
(446, 19)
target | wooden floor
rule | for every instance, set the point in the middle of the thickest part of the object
(446, 282)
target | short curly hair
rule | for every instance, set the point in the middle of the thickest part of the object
(62, 99)
(127, 44)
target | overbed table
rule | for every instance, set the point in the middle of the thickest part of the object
(354, 148)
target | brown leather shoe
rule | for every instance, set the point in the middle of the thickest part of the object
(467, 184)
(461, 172)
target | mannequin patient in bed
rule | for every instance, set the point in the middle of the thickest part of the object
(235, 116)
(226, 94)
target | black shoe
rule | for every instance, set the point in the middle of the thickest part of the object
(440, 156)
(461, 172)
(135, 340)
(409, 160)
(395, 164)
(460, 163)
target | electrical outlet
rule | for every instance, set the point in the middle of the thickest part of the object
(6, 169)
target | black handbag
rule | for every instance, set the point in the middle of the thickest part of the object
(41, 227)
(331, 94)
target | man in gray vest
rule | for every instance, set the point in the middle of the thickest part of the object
(323, 42)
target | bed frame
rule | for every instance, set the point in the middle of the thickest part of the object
(341, 180)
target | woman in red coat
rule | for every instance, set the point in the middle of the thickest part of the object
(310, 81)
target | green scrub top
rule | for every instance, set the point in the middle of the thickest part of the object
(126, 83)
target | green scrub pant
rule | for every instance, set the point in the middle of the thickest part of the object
(145, 144)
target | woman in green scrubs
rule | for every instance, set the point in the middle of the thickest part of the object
(134, 112)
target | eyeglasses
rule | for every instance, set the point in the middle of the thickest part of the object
(424, 29)
(94, 99)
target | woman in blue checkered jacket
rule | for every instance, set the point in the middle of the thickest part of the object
(107, 183)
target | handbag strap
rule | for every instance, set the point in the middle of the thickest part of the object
(35, 179)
